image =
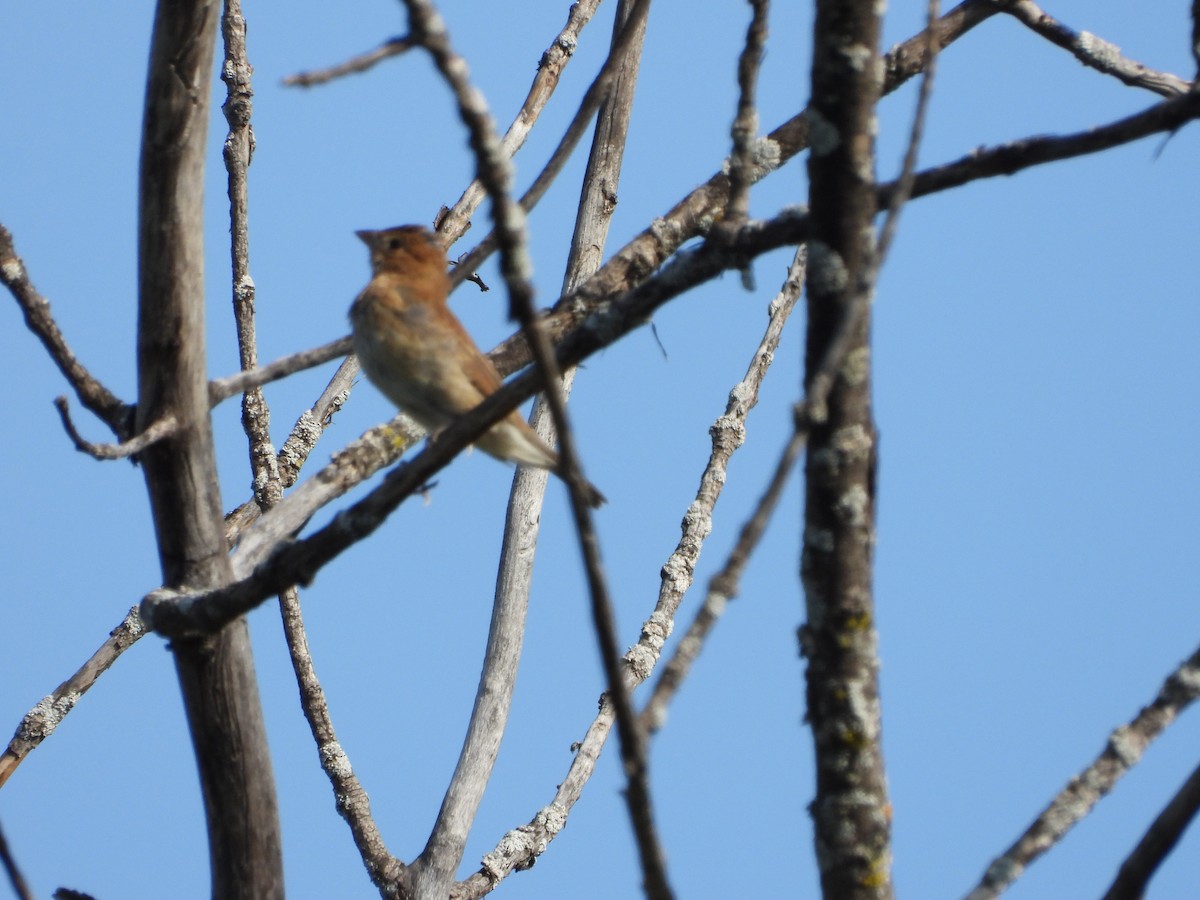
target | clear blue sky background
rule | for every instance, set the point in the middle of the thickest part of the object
(1036, 372)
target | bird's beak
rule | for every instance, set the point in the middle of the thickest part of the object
(365, 236)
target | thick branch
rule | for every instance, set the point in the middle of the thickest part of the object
(216, 674)
(851, 818)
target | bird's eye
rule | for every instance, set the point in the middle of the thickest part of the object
(394, 243)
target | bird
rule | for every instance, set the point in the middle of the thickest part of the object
(418, 355)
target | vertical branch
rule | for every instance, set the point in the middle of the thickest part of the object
(599, 200)
(444, 849)
(217, 674)
(851, 815)
(745, 125)
(238, 151)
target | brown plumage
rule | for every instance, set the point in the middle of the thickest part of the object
(417, 353)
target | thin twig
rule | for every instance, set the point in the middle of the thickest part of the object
(436, 864)
(1094, 52)
(156, 431)
(115, 413)
(224, 388)
(351, 800)
(19, 885)
(1158, 842)
(592, 99)
(908, 168)
(1008, 159)
(305, 434)
(728, 432)
(1124, 748)
(745, 124)
(360, 63)
(237, 153)
(455, 221)
(495, 173)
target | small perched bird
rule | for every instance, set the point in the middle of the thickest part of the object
(418, 354)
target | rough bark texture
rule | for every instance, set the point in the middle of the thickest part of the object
(216, 674)
(850, 813)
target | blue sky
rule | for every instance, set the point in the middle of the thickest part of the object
(1035, 376)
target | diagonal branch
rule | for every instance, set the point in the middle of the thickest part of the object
(39, 723)
(692, 216)
(1094, 52)
(592, 99)
(223, 388)
(1158, 842)
(521, 527)
(115, 413)
(728, 433)
(360, 63)
(457, 220)
(1124, 748)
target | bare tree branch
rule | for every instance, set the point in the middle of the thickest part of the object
(455, 222)
(224, 388)
(16, 879)
(39, 723)
(360, 63)
(1013, 157)
(216, 674)
(575, 130)
(523, 520)
(520, 848)
(1094, 52)
(745, 124)
(904, 184)
(851, 812)
(1121, 753)
(155, 431)
(238, 151)
(728, 433)
(352, 802)
(692, 216)
(1160, 839)
(92, 394)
